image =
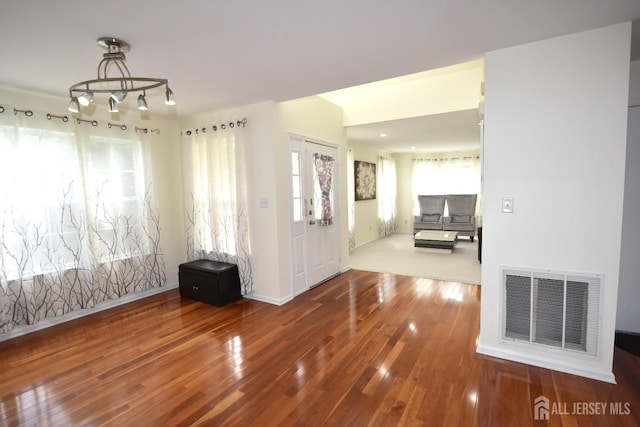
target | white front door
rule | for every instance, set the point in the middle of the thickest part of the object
(322, 231)
(315, 235)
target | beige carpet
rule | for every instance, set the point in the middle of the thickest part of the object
(396, 254)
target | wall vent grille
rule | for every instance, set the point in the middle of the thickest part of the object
(554, 309)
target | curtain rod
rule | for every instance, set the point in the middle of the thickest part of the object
(222, 126)
(66, 119)
(445, 159)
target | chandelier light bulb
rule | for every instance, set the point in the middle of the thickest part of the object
(169, 97)
(113, 106)
(142, 103)
(86, 98)
(73, 105)
(118, 96)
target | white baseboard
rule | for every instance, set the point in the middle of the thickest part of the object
(269, 300)
(605, 376)
(104, 305)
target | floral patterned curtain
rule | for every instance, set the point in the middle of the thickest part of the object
(324, 174)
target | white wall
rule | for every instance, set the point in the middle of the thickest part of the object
(628, 316)
(318, 119)
(268, 124)
(634, 83)
(260, 134)
(555, 137)
(404, 202)
(365, 211)
(453, 88)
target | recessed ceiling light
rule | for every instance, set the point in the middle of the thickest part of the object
(413, 147)
(382, 135)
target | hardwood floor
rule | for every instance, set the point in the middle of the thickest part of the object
(362, 349)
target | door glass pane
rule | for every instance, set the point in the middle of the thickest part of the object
(296, 187)
(295, 163)
(297, 209)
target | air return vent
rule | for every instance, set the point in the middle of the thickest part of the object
(550, 308)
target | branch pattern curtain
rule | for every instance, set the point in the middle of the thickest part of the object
(387, 211)
(78, 224)
(216, 200)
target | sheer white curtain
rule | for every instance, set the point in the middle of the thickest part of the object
(351, 197)
(216, 199)
(77, 219)
(387, 196)
(446, 173)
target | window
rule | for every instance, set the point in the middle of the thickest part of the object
(116, 180)
(296, 182)
(446, 173)
(40, 178)
(50, 201)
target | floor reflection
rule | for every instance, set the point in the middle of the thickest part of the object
(235, 356)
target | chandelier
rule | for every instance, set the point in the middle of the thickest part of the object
(118, 86)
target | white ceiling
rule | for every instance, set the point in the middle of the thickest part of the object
(455, 131)
(222, 54)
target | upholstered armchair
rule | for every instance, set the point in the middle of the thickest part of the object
(462, 214)
(431, 213)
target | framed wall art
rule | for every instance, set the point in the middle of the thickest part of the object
(365, 180)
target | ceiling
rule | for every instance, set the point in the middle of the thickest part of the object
(455, 131)
(223, 54)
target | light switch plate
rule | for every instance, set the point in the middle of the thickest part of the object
(507, 204)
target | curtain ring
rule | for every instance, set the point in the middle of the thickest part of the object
(204, 130)
(123, 127)
(223, 126)
(27, 113)
(188, 133)
(215, 128)
(231, 125)
(1, 109)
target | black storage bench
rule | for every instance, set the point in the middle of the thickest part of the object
(213, 282)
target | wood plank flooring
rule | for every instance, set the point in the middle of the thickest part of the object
(362, 349)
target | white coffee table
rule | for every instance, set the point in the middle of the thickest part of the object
(436, 239)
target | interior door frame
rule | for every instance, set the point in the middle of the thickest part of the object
(296, 143)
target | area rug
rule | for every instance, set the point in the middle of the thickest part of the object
(396, 254)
